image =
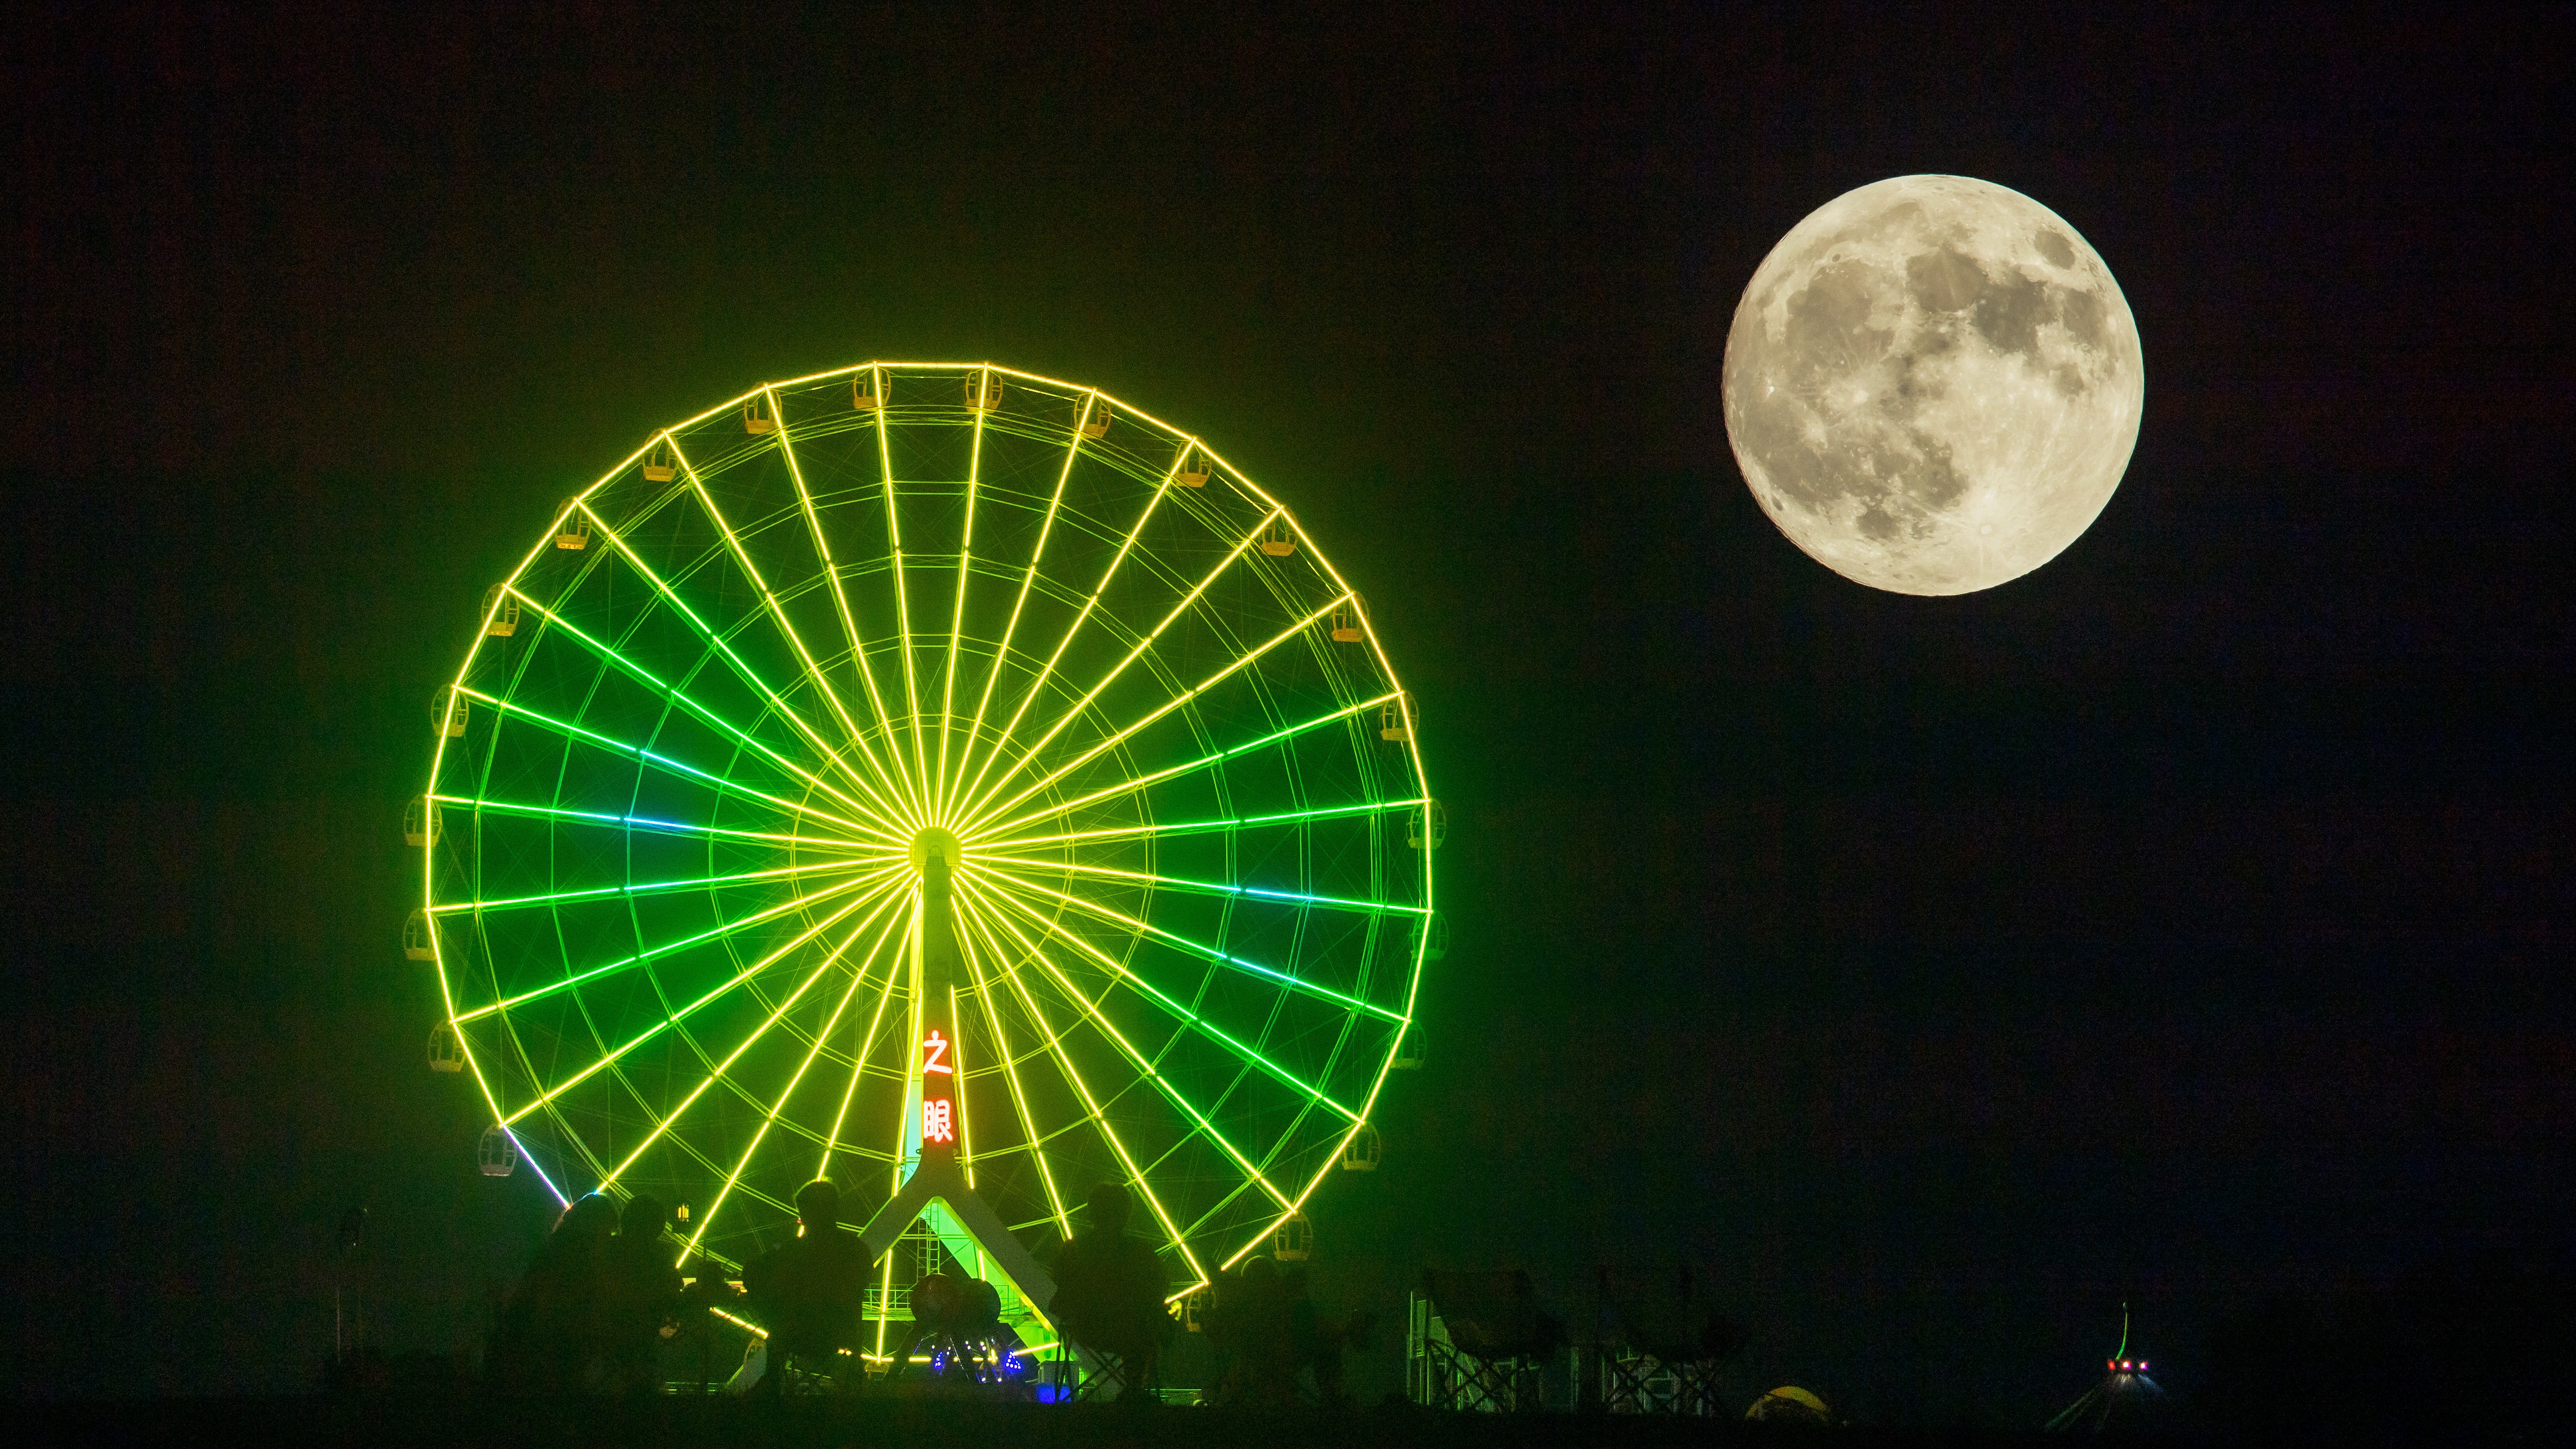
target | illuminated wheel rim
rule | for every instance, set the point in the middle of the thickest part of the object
(679, 779)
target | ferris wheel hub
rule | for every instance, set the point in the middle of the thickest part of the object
(940, 840)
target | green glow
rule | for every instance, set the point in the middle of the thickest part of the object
(1197, 1023)
(1198, 948)
(1171, 1093)
(828, 797)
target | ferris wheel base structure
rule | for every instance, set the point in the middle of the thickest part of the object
(686, 789)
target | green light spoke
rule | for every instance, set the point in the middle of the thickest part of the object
(1204, 887)
(1011, 1070)
(646, 888)
(1074, 711)
(1010, 631)
(729, 928)
(903, 615)
(778, 614)
(1196, 1022)
(858, 978)
(677, 767)
(1201, 827)
(682, 698)
(881, 899)
(1195, 948)
(646, 822)
(1064, 1060)
(716, 1072)
(1142, 1064)
(895, 927)
(1175, 702)
(1128, 787)
(741, 667)
(1071, 632)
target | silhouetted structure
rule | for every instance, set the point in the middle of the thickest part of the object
(1478, 1341)
(550, 1338)
(1660, 1354)
(641, 1295)
(809, 1294)
(1109, 1294)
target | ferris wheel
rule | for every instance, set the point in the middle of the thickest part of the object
(858, 652)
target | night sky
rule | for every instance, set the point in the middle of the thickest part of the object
(2188, 921)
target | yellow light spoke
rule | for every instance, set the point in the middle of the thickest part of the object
(1074, 711)
(1162, 1084)
(898, 924)
(1091, 1103)
(735, 1055)
(858, 978)
(1072, 631)
(1011, 1070)
(957, 614)
(696, 710)
(1156, 777)
(1195, 1021)
(903, 616)
(676, 767)
(859, 883)
(693, 1008)
(978, 811)
(1195, 827)
(778, 613)
(1202, 887)
(740, 666)
(1010, 631)
(645, 888)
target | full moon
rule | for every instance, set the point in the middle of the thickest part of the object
(1933, 384)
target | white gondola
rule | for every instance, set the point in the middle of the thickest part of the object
(497, 1153)
(1431, 933)
(1191, 472)
(420, 821)
(1364, 1151)
(1095, 424)
(1294, 1241)
(446, 1049)
(983, 392)
(448, 710)
(1428, 829)
(662, 464)
(756, 418)
(1408, 1052)
(1276, 540)
(1346, 622)
(418, 945)
(573, 529)
(1395, 721)
(863, 392)
(500, 611)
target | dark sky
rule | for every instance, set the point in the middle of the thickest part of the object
(2185, 921)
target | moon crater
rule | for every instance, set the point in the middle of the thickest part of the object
(1933, 385)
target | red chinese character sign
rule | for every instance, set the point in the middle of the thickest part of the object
(938, 1107)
